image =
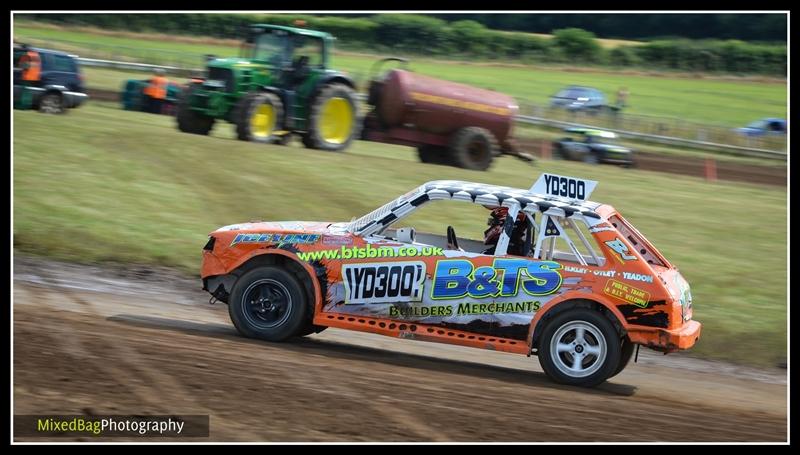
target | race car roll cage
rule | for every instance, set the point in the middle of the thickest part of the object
(556, 211)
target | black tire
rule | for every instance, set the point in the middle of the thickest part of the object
(560, 153)
(315, 138)
(189, 120)
(433, 154)
(626, 352)
(268, 303)
(591, 157)
(52, 103)
(248, 108)
(473, 148)
(592, 369)
(631, 163)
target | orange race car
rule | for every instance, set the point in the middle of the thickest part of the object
(558, 276)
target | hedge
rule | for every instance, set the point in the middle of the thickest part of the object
(427, 35)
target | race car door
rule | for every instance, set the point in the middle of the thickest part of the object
(443, 280)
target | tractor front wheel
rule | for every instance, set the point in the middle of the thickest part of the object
(260, 115)
(333, 120)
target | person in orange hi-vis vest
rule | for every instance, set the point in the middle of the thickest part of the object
(156, 92)
(31, 64)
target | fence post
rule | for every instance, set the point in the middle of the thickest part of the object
(711, 169)
(546, 151)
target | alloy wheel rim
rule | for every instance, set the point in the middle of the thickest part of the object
(266, 303)
(578, 349)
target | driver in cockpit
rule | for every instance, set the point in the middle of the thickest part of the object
(497, 220)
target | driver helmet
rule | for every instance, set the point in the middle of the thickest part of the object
(497, 219)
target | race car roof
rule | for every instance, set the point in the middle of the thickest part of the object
(592, 132)
(479, 193)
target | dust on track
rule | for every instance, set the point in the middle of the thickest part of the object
(145, 341)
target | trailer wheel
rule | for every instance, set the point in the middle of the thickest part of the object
(189, 120)
(473, 148)
(258, 117)
(333, 119)
(433, 154)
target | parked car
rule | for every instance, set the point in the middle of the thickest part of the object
(61, 85)
(764, 127)
(577, 98)
(593, 146)
(529, 290)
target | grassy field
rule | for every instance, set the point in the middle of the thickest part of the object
(111, 79)
(707, 100)
(104, 185)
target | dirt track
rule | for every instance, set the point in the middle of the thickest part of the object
(91, 341)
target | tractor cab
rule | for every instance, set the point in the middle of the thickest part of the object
(287, 49)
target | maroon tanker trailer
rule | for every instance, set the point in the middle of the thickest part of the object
(448, 123)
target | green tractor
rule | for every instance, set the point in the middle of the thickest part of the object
(279, 85)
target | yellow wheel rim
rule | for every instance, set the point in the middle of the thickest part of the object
(336, 122)
(263, 121)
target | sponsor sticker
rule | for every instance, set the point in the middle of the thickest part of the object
(619, 247)
(383, 283)
(626, 293)
(274, 238)
(458, 278)
(337, 240)
(637, 277)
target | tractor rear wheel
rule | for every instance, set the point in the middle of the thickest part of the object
(433, 154)
(473, 148)
(258, 116)
(333, 119)
(189, 120)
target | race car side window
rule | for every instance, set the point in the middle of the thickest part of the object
(431, 220)
(566, 239)
(637, 240)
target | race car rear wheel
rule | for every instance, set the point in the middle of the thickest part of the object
(579, 347)
(268, 303)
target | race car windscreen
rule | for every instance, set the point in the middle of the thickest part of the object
(357, 225)
(637, 240)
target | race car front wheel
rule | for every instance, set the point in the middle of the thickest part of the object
(579, 347)
(268, 303)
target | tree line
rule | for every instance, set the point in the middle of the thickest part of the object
(466, 38)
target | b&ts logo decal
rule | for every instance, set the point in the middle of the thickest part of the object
(457, 278)
(383, 283)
